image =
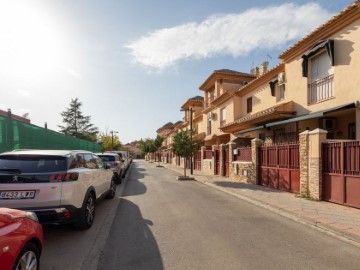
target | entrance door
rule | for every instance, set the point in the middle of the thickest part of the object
(279, 167)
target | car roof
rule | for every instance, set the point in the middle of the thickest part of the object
(107, 154)
(45, 152)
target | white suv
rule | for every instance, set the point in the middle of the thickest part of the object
(60, 186)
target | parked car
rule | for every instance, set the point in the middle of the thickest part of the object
(124, 159)
(60, 186)
(127, 158)
(21, 239)
(113, 160)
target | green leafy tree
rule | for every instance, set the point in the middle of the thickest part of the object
(76, 124)
(107, 142)
(157, 144)
(147, 146)
(183, 146)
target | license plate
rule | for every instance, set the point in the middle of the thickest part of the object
(17, 194)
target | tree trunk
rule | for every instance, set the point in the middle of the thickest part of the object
(184, 167)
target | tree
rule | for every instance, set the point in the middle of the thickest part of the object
(183, 146)
(107, 142)
(76, 124)
(147, 146)
(157, 144)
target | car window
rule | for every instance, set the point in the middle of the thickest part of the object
(90, 161)
(32, 163)
(107, 158)
(99, 163)
(78, 162)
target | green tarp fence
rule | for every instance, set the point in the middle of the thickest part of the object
(15, 134)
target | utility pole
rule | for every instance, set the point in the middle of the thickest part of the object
(112, 139)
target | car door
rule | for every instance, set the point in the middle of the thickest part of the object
(95, 177)
(105, 174)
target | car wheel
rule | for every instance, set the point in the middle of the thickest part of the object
(87, 213)
(29, 258)
(112, 189)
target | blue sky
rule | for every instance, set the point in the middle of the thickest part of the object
(133, 63)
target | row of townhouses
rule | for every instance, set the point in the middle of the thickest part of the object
(294, 127)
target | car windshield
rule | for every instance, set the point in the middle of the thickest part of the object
(107, 158)
(31, 164)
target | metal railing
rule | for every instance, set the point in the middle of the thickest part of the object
(341, 157)
(208, 154)
(321, 89)
(243, 154)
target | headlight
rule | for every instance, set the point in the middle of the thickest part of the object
(32, 216)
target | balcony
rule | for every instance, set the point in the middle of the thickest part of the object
(321, 89)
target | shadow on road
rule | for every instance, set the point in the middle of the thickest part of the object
(133, 185)
(131, 244)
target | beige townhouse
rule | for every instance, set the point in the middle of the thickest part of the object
(315, 86)
(219, 99)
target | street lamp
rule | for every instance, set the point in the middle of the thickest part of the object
(112, 139)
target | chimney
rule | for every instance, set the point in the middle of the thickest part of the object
(45, 125)
(9, 112)
(263, 67)
(257, 72)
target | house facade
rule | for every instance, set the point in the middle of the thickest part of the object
(294, 127)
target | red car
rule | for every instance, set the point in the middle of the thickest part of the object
(21, 240)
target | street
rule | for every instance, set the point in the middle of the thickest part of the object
(161, 223)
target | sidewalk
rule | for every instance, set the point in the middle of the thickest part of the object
(335, 219)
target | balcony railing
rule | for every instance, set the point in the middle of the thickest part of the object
(321, 89)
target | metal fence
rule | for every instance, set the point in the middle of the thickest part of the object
(208, 154)
(243, 154)
(15, 134)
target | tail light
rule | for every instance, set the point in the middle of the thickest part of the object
(64, 177)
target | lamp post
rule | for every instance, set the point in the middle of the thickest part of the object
(112, 139)
(191, 130)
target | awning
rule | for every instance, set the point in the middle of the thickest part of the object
(199, 137)
(210, 137)
(278, 112)
(311, 115)
(248, 130)
(328, 44)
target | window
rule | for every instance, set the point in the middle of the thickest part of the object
(321, 78)
(100, 163)
(352, 131)
(90, 161)
(280, 92)
(209, 127)
(222, 116)
(249, 105)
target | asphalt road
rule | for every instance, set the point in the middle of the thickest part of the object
(162, 223)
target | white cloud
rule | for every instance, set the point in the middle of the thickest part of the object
(228, 34)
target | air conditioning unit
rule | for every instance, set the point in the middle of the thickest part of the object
(328, 123)
(281, 78)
